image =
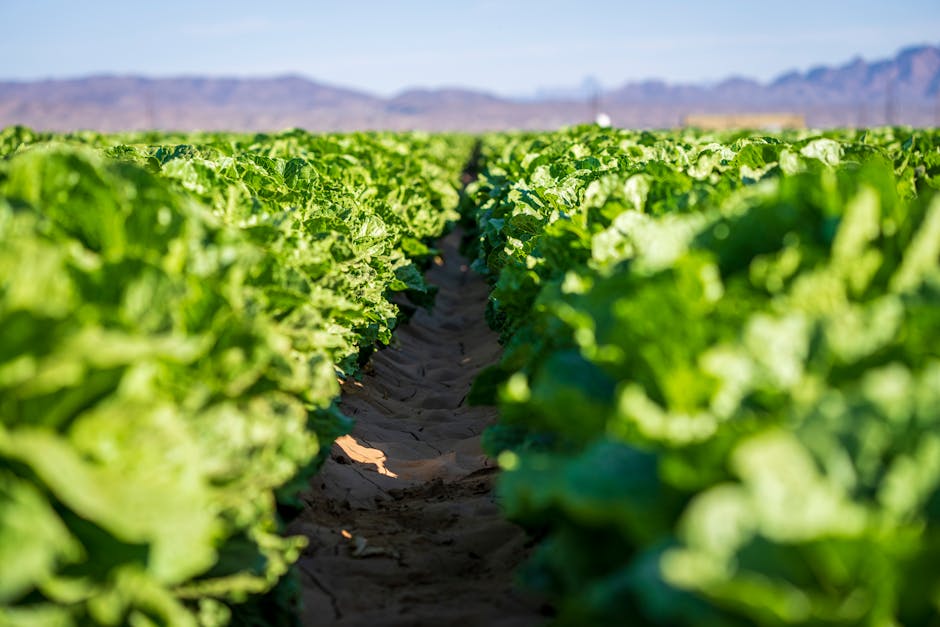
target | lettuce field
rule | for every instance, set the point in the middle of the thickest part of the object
(719, 392)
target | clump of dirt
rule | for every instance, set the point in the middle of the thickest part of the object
(402, 522)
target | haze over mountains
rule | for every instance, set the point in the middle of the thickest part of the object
(901, 90)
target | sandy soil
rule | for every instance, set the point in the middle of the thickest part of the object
(402, 521)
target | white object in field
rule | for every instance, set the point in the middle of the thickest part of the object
(602, 120)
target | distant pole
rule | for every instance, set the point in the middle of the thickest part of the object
(595, 104)
(149, 113)
(889, 103)
(936, 112)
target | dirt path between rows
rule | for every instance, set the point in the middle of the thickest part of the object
(402, 522)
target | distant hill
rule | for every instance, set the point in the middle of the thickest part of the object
(901, 90)
(913, 76)
(132, 102)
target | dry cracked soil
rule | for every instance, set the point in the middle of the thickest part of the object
(402, 520)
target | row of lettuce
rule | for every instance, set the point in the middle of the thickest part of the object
(720, 395)
(174, 313)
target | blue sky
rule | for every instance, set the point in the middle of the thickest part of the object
(509, 47)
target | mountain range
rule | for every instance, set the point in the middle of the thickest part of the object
(904, 89)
